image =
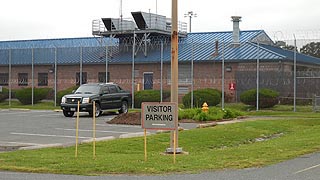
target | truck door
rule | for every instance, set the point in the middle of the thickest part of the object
(106, 100)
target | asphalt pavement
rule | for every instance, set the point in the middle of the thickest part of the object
(36, 129)
(29, 129)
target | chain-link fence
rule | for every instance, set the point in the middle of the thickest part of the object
(141, 61)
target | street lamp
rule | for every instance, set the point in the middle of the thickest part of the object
(190, 14)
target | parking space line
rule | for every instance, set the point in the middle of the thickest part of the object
(14, 112)
(46, 115)
(309, 168)
(110, 125)
(85, 130)
(47, 135)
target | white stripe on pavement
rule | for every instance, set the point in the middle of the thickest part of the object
(303, 170)
(47, 135)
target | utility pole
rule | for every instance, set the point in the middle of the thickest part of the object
(190, 14)
(174, 73)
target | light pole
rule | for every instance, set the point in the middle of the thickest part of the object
(190, 14)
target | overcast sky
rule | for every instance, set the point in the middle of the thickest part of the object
(43, 19)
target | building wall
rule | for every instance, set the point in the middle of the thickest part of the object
(277, 76)
(206, 75)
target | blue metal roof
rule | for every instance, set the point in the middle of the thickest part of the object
(226, 36)
(196, 46)
(51, 43)
(289, 55)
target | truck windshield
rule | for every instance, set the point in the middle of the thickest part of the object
(87, 89)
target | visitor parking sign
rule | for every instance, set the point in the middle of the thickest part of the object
(157, 115)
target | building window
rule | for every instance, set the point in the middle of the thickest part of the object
(84, 78)
(22, 79)
(4, 79)
(42, 79)
(184, 74)
(102, 77)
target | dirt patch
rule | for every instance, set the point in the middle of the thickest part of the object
(133, 118)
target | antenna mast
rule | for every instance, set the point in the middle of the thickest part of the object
(121, 10)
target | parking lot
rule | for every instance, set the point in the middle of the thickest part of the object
(32, 129)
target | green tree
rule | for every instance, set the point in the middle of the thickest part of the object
(285, 46)
(312, 49)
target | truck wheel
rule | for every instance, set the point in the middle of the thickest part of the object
(97, 111)
(68, 113)
(124, 107)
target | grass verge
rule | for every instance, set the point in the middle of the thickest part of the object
(38, 106)
(241, 145)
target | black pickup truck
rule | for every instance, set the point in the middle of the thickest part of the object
(107, 96)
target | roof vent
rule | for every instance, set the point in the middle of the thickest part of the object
(236, 30)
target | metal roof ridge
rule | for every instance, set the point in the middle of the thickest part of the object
(46, 39)
(214, 32)
(298, 53)
(266, 49)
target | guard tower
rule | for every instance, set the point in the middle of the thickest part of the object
(148, 29)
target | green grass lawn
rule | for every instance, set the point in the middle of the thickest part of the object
(224, 146)
(38, 106)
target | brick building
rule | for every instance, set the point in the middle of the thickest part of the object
(62, 63)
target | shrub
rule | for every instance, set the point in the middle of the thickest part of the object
(60, 94)
(211, 96)
(4, 94)
(231, 113)
(213, 114)
(24, 95)
(149, 96)
(267, 97)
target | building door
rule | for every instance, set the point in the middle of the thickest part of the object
(147, 80)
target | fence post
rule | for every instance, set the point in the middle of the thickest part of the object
(294, 74)
(32, 76)
(258, 69)
(133, 54)
(10, 77)
(222, 72)
(55, 77)
(192, 73)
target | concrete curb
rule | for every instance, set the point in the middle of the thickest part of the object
(41, 146)
(65, 144)
(207, 125)
(130, 135)
(108, 138)
(167, 131)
